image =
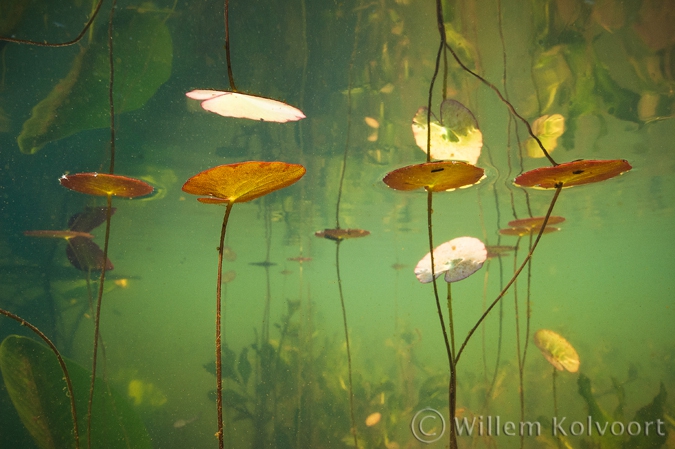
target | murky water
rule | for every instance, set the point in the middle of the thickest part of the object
(359, 71)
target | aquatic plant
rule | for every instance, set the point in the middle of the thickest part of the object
(227, 185)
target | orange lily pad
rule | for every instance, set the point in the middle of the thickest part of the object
(558, 351)
(341, 234)
(573, 173)
(102, 184)
(535, 222)
(236, 105)
(522, 231)
(434, 176)
(242, 182)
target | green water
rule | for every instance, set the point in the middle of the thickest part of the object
(604, 281)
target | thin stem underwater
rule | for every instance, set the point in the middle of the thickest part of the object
(449, 351)
(515, 275)
(104, 263)
(230, 75)
(62, 363)
(505, 101)
(97, 318)
(219, 354)
(59, 44)
(349, 354)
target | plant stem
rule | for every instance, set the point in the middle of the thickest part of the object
(515, 275)
(97, 317)
(230, 76)
(452, 388)
(219, 354)
(60, 44)
(62, 363)
(349, 355)
(448, 350)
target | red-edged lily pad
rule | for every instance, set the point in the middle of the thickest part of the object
(242, 182)
(522, 231)
(85, 255)
(234, 104)
(434, 176)
(458, 259)
(573, 173)
(558, 351)
(341, 234)
(535, 222)
(102, 184)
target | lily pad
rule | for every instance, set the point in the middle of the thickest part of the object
(456, 137)
(434, 176)
(143, 55)
(237, 105)
(458, 259)
(242, 182)
(573, 173)
(558, 351)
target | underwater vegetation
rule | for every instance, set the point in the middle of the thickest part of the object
(544, 198)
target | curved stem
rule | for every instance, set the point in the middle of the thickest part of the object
(515, 275)
(230, 76)
(505, 101)
(62, 363)
(61, 44)
(349, 355)
(97, 317)
(219, 353)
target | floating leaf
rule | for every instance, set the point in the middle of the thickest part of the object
(547, 128)
(434, 176)
(58, 234)
(102, 184)
(340, 234)
(558, 351)
(236, 105)
(458, 259)
(80, 100)
(573, 173)
(521, 231)
(34, 381)
(242, 182)
(535, 222)
(457, 137)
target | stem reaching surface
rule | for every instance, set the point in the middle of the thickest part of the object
(219, 353)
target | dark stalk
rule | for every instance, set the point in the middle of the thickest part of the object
(505, 101)
(515, 275)
(349, 355)
(230, 76)
(61, 44)
(219, 333)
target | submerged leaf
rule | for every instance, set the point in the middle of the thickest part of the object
(80, 100)
(34, 381)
